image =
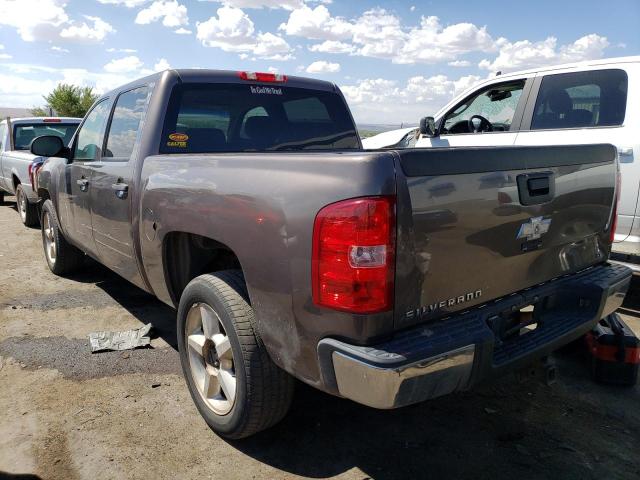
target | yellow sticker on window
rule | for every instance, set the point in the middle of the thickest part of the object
(178, 140)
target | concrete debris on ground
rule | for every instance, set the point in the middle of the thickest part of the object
(127, 340)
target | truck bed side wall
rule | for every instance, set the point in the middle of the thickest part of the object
(262, 207)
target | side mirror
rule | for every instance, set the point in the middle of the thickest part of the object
(48, 146)
(428, 127)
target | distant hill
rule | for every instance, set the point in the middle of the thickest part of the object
(14, 112)
(370, 129)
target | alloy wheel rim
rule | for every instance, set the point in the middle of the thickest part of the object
(22, 205)
(49, 238)
(211, 359)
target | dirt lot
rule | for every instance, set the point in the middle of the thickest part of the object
(67, 414)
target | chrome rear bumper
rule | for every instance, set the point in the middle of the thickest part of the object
(455, 353)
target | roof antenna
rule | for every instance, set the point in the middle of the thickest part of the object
(498, 73)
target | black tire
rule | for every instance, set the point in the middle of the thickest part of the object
(1, 198)
(28, 211)
(263, 391)
(67, 258)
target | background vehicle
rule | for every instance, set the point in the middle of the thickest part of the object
(388, 277)
(17, 162)
(582, 103)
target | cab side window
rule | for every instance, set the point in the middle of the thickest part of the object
(496, 104)
(125, 124)
(595, 98)
(88, 143)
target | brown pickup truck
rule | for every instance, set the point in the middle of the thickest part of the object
(389, 277)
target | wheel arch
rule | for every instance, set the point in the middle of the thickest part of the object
(187, 255)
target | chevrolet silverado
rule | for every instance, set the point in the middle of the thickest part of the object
(388, 277)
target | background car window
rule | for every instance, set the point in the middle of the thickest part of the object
(24, 134)
(125, 124)
(89, 138)
(595, 98)
(497, 104)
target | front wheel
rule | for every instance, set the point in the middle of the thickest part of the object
(235, 385)
(61, 256)
(28, 211)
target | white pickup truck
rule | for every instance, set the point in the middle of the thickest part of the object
(581, 103)
(17, 162)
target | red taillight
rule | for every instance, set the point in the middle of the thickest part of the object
(263, 77)
(52, 120)
(353, 259)
(32, 171)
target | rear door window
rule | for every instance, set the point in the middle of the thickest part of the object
(208, 118)
(595, 98)
(125, 124)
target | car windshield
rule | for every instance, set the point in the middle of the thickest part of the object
(24, 133)
(207, 118)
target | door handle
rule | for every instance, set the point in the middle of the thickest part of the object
(121, 190)
(536, 188)
(83, 183)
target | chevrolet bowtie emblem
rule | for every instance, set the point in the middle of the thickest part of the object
(534, 228)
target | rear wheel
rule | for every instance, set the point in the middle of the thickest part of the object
(234, 383)
(1, 198)
(61, 256)
(28, 211)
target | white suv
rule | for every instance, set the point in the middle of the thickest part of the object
(588, 102)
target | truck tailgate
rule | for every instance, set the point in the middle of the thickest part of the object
(476, 224)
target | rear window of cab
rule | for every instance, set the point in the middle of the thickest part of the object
(210, 118)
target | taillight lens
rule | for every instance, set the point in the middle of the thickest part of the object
(353, 259)
(32, 170)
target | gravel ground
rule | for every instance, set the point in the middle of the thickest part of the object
(68, 414)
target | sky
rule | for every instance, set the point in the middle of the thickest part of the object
(395, 61)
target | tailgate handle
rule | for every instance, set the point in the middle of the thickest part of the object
(536, 188)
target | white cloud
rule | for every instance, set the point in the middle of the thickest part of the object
(233, 31)
(381, 34)
(4, 56)
(59, 49)
(126, 3)
(273, 4)
(124, 65)
(378, 100)
(34, 19)
(47, 20)
(183, 31)
(23, 85)
(323, 67)
(172, 13)
(161, 65)
(83, 32)
(317, 24)
(122, 50)
(332, 46)
(527, 54)
(459, 63)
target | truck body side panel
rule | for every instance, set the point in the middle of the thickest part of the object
(262, 206)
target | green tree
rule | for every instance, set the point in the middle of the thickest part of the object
(68, 101)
